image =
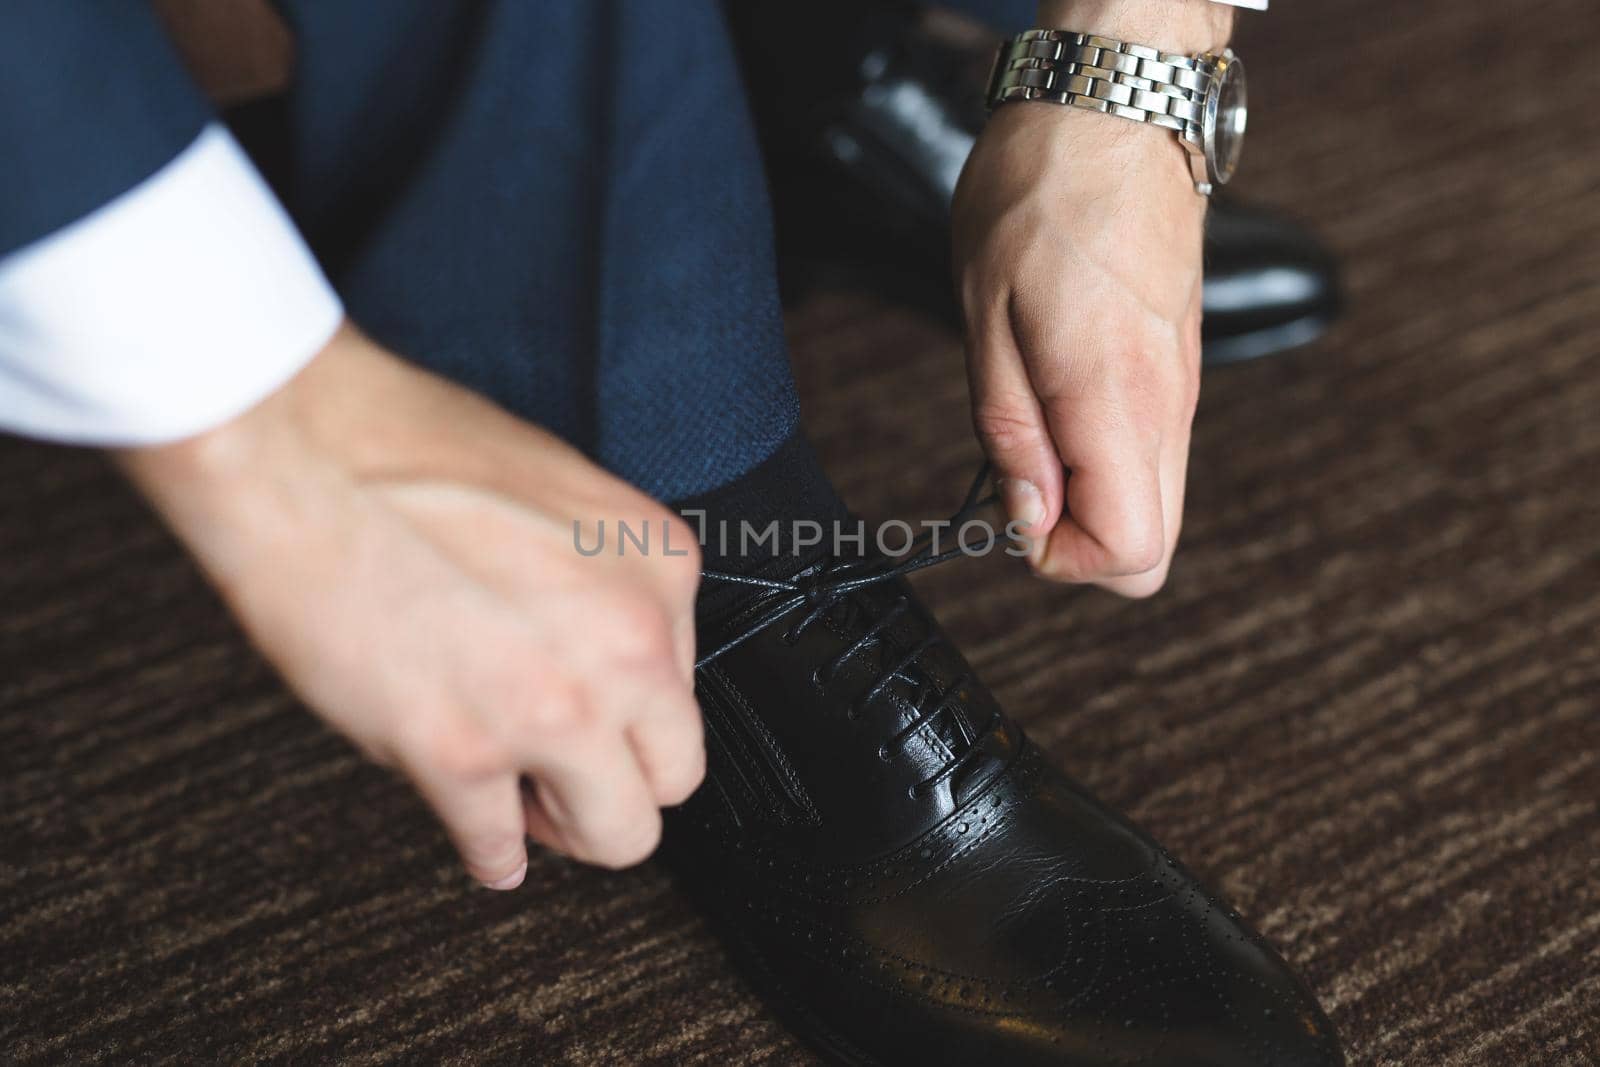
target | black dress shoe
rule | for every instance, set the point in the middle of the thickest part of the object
(908, 881)
(864, 149)
(1269, 286)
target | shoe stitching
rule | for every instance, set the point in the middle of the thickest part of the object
(846, 874)
(736, 750)
(784, 768)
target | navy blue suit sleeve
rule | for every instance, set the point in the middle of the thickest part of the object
(93, 100)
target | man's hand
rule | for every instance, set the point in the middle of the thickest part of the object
(403, 552)
(1078, 254)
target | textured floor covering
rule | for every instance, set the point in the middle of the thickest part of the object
(1366, 707)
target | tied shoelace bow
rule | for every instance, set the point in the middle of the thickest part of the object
(820, 590)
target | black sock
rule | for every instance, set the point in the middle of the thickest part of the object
(772, 521)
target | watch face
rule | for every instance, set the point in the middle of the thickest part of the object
(1226, 113)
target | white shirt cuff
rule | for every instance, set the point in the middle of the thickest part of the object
(167, 311)
(1259, 5)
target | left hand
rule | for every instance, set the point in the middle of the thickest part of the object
(1078, 253)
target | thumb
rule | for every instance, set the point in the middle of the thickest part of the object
(1015, 435)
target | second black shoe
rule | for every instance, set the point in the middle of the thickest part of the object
(908, 881)
(866, 119)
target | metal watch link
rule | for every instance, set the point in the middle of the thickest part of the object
(1201, 98)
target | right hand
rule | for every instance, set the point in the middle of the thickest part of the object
(402, 551)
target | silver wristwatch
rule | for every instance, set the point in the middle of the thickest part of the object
(1200, 98)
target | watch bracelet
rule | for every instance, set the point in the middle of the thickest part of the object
(1100, 74)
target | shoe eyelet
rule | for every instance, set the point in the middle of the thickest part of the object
(883, 753)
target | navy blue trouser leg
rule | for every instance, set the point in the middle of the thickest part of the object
(559, 204)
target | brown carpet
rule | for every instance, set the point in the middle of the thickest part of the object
(1366, 707)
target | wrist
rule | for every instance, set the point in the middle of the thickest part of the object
(233, 493)
(310, 414)
(1186, 27)
(1116, 157)
(224, 456)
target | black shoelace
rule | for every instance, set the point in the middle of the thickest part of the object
(818, 591)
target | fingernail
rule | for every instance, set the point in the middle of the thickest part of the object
(1025, 505)
(1022, 500)
(512, 880)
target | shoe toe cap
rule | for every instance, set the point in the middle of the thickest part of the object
(1168, 975)
(1131, 960)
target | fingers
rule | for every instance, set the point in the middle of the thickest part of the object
(574, 681)
(645, 690)
(670, 749)
(660, 714)
(602, 745)
(678, 580)
(1111, 524)
(1174, 474)
(539, 825)
(1011, 426)
(1113, 409)
(594, 797)
(1114, 524)
(659, 719)
(671, 570)
(608, 734)
(483, 816)
(683, 644)
(597, 801)
(1174, 461)
(668, 753)
(604, 754)
(1056, 386)
(1103, 519)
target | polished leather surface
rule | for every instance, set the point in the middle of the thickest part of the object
(1002, 916)
(864, 171)
(1269, 287)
